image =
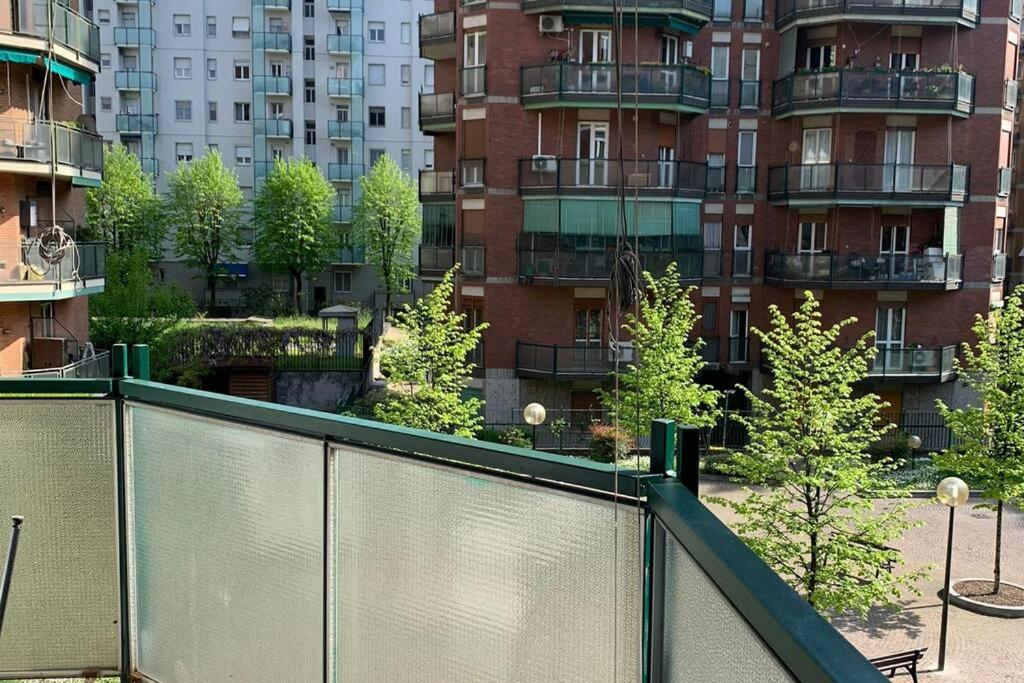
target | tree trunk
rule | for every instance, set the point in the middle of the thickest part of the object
(297, 287)
(999, 543)
(211, 286)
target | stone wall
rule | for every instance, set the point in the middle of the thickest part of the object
(318, 390)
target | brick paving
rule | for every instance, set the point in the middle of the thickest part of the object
(979, 648)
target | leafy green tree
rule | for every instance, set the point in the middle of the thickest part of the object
(204, 205)
(662, 382)
(814, 522)
(387, 222)
(991, 434)
(428, 367)
(124, 211)
(295, 231)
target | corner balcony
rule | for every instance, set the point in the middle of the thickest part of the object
(276, 86)
(897, 92)
(437, 36)
(679, 88)
(695, 13)
(869, 184)
(551, 175)
(853, 271)
(344, 88)
(272, 42)
(913, 365)
(26, 148)
(435, 261)
(437, 112)
(272, 128)
(792, 13)
(26, 276)
(134, 37)
(344, 173)
(26, 26)
(343, 44)
(273, 5)
(135, 124)
(554, 362)
(344, 130)
(135, 80)
(437, 185)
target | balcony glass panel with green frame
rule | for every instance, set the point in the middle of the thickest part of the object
(72, 31)
(791, 13)
(870, 184)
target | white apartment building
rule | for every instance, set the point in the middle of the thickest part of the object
(257, 79)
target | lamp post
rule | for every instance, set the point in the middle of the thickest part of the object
(534, 415)
(951, 492)
(914, 442)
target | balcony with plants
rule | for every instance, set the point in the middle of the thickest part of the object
(852, 270)
(690, 13)
(573, 176)
(30, 272)
(869, 184)
(27, 147)
(793, 13)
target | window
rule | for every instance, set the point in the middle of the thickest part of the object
(211, 27)
(821, 56)
(243, 155)
(211, 112)
(183, 67)
(239, 27)
(903, 61)
(211, 69)
(342, 281)
(406, 74)
(214, 147)
(752, 10)
(750, 85)
(243, 113)
(276, 110)
(309, 48)
(406, 117)
(719, 75)
(281, 283)
(105, 104)
(309, 90)
(812, 238)
(475, 51)
(669, 49)
(406, 33)
(375, 74)
(741, 261)
(377, 117)
(242, 70)
(182, 25)
(428, 158)
(341, 112)
(310, 132)
(277, 69)
(713, 249)
(716, 173)
(375, 31)
(407, 160)
(890, 326)
(309, 8)
(128, 19)
(816, 169)
(709, 316)
(722, 10)
(738, 333)
(105, 60)
(428, 76)
(183, 151)
(183, 110)
(103, 16)
(746, 176)
(376, 154)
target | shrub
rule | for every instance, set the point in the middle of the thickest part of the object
(515, 436)
(608, 443)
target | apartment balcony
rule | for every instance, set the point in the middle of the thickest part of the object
(344, 88)
(276, 86)
(135, 80)
(473, 81)
(473, 260)
(272, 128)
(437, 36)
(999, 262)
(343, 44)
(680, 88)
(342, 213)
(869, 184)
(435, 261)
(791, 13)
(554, 362)
(913, 365)
(134, 37)
(343, 5)
(97, 366)
(350, 256)
(898, 92)
(344, 130)
(26, 276)
(696, 13)
(26, 147)
(437, 185)
(135, 124)
(437, 112)
(343, 172)
(26, 26)
(551, 175)
(273, 5)
(854, 271)
(272, 42)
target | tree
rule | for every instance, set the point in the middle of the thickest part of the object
(204, 205)
(991, 434)
(814, 522)
(429, 366)
(124, 210)
(387, 222)
(295, 231)
(662, 382)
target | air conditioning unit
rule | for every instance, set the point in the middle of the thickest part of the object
(624, 352)
(544, 164)
(551, 23)
(688, 49)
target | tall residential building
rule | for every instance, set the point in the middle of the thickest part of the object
(860, 149)
(49, 50)
(262, 79)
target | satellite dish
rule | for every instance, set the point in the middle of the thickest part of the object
(86, 123)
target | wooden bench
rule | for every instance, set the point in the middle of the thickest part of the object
(901, 660)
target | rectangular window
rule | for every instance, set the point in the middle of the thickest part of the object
(183, 110)
(211, 27)
(406, 74)
(309, 48)
(103, 16)
(342, 281)
(183, 67)
(741, 254)
(240, 27)
(211, 112)
(105, 60)
(309, 90)
(821, 57)
(243, 155)
(243, 113)
(211, 69)
(183, 151)
(376, 154)
(475, 48)
(752, 10)
(377, 119)
(406, 33)
(375, 31)
(277, 69)
(669, 49)
(709, 316)
(746, 177)
(128, 19)
(713, 249)
(407, 160)
(376, 74)
(722, 10)
(716, 173)
(750, 85)
(428, 158)
(738, 334)
(406, 117)
(310, 132)
(105, 104)
(812, 238)
(719, 75)
(242, 70)
(428, 76)
(182, 25)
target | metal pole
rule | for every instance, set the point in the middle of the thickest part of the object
(534, 440)
(12, 550)
(945, 593)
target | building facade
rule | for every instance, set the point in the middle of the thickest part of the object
(47, 155)
(263, 79)
(857, 149)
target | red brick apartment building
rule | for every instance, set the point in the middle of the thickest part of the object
(48, 51)
(860, 149)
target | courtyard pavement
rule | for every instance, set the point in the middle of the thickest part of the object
(979, 648)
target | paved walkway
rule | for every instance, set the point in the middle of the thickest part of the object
(979, 648)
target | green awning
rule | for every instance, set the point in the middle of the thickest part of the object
(644, 20)
(69, 72)
(82, 181)
(18, 57)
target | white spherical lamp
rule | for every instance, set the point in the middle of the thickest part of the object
(952, 491)
(914, 441)
(534, 414)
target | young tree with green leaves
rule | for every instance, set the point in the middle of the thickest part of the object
(204, 205)
(815, 522)
(295, 230)
(124, 211)
(428, 366)
(662, 381)
(990, 456)
(387, 222)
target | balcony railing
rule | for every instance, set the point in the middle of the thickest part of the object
(913, 364)
(437, 184)
(853, 271)
(563, 258)
(274, 4)
(739, 350)
(134, 37)
(715, 180)
(273, 128)
(70, 29)
(437, 112)
(344, 87)
(343, 5)
(998, 267)
(827, 11)
(746, 179)
(353, 255)
(30, 141)
(676, 87)
(79, 149)
(551, 361)
(93, 367)
(272, 41)
(344, 130)
(544, 175)
(135, 123)
(867, 183)
(135, 80)
(272, 85)
(698, 9)
(473, 81)
(437, 35)
(473, 260)
(854, 90)
(22, 266)
(711, 350)
(344, 44)
(344, 172)
(436, 260)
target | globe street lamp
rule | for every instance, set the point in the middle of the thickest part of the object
(534, 415)
(913, 443)
(951, 492)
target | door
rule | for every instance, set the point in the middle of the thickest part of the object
(592, 154)
(595, 47)
(738, 336)
(889, 323)
(666, 167)
(341, 27)
(812, 264)
(894, 249)
(474, 59)
(319, 298)
(898, 175)
(588, 349)
(741, 260)
(342, 70)
(816, 169)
